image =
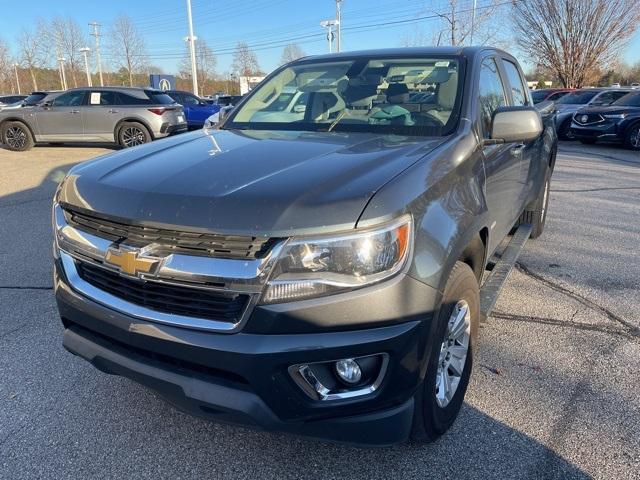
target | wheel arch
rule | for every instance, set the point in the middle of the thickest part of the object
(116, 130)
(16, 119)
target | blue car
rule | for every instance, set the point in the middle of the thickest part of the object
(196, 110)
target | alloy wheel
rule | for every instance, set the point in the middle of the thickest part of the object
(132, 136)
(16, 137)
(453, 353)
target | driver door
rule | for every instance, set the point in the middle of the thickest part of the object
(61, 120)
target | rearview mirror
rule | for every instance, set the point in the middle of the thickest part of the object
(515, 124)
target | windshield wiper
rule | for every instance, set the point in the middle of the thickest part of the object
(338, 118)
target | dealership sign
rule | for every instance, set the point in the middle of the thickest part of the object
(162, 82)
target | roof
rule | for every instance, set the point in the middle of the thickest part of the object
(405, 52)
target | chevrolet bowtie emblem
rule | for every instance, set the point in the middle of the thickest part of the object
(130, 262)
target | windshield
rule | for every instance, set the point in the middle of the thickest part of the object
(629, 100)
(404, 96)
(34, 98)
(578, 98)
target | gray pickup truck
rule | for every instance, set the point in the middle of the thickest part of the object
(314, 264)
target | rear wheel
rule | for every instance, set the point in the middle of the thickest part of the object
(632, 137)
(16, 136)
(536, 214)
(132, 134)
(440, 398)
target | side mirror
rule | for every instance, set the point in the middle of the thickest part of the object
(299, 108)
(46, 105)
(515, 124)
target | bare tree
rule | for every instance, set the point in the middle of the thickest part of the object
(460, 25)
(7, 72)
(291, 52)
(127, 48)
(205, 64)
(574, 38)
(32, 53)
(245, 62)
(68, 38)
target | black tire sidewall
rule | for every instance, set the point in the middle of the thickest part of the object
(564, 132)
(140, 126)
(627, 137)
(462, 284)
(29, 140)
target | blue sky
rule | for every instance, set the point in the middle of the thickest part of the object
(267, 25)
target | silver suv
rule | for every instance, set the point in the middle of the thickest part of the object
(126, 116)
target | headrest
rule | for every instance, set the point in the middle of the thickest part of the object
(360, 95)
(397, 89)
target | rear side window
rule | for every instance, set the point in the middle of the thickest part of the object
(518, 92)
(160, 98)
(126, 99)
(69, 99)
(190, 100)
(491, 93)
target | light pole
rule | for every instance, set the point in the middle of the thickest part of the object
(329, 24)
(192, 49)
(85, 51)
(339, 29)
(64, 77)
(473, 19)
(97, 35)
(15, 66)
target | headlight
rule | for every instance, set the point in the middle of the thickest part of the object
(312, 267)
(616, 116)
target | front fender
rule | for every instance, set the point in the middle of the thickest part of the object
(444, 194)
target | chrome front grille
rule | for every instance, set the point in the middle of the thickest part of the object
(192, 282)
(162, 297)
(587, 118)
(194, 243)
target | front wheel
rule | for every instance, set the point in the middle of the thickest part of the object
(440, 398)
(632, 137)
(132, 134)
(564, 132)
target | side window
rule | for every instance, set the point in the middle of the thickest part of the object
(69, 99)
(126, 99)
(491, 93)
(604, 99)
(618, 96)
(191, 100)
(103, 98)
(518, 91)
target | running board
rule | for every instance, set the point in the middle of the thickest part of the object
(495, 281)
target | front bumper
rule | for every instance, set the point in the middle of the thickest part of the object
(243, 377)
(599, 131)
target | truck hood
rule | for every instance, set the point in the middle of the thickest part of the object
(271, 183)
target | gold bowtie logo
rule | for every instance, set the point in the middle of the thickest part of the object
(129, 262)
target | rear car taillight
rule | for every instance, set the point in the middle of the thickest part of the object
(157, 111)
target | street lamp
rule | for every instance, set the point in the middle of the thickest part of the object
(329, 24)
(15, 66)
(85, 51)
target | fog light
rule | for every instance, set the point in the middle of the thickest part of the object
(349, 371)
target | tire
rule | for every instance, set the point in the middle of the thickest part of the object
(632, 137)
(564, 132)
(132, 134)
(536, 215)
(17, 136)
(588, 141)
(435, 412)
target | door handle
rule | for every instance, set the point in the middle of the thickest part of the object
(74, 111)
(113, 111)
(517, 149)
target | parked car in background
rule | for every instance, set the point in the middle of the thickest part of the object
(226, 104)
(574, 101)
(196, 109)
(549, 94)
(618, 122)
(635, 85)
(124, 115)
(316, 276)
(10, 99)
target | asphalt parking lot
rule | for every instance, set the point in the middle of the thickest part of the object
(554, 392)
